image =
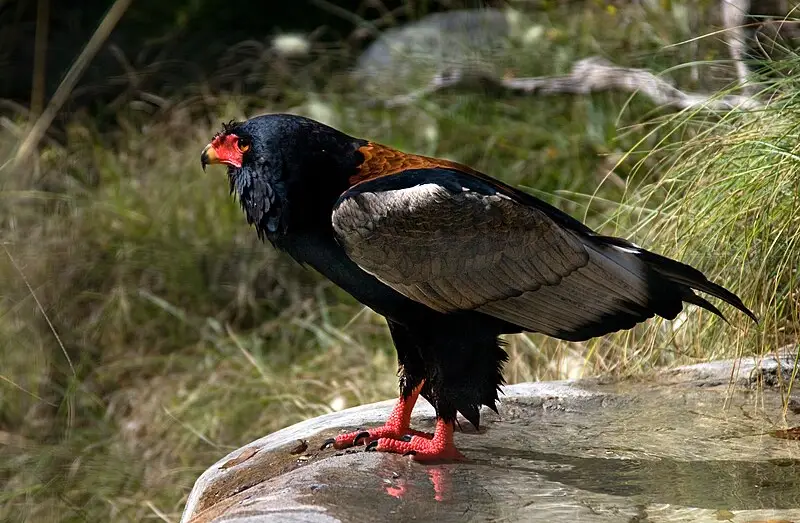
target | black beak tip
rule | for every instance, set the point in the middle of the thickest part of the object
(204, 160)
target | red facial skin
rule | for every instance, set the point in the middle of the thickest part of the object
(228, 150)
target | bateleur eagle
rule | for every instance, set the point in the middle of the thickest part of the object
(451, 257)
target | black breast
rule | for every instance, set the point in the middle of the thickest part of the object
(323, 253)
(261, 199)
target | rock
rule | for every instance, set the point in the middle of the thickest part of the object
(680, 446)
(770, 371)
(469, 40)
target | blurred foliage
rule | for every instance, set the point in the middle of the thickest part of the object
(144, 331)
(168, 47)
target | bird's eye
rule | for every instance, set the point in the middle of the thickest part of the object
(243, 145)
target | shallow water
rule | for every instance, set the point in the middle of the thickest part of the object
(656, 455)
(638, 453)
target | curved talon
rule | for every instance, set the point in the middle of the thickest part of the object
(327, 443)
(372, 447)
(407, 437)
(359, 436)
(410, 453)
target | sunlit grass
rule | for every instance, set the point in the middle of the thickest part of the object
(728, 204)
(725, 200)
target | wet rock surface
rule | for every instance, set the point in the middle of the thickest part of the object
(684, 445)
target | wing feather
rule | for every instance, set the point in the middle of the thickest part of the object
(454, 243)
(470, 251)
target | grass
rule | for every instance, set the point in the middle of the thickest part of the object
(729, 204)
(181, 337)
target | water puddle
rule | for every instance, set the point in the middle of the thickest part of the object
(657, 455)
(636, 454)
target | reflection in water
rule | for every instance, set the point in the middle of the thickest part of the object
(734, 485)
(441, 479)
(673, 456)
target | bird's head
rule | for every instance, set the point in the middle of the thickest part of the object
(285, 169)
(227, 147)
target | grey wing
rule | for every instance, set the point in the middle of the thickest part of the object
(464, 250)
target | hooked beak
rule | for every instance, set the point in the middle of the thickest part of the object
(208, 156)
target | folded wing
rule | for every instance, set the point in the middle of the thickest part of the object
(456, 242)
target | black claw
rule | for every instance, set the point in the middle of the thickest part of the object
(407, 437)
(410, 453)
(372, 447)
(359, 436)
(327, 443)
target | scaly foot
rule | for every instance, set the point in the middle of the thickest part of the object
(438, 448)
(389, 431)
(396, 427)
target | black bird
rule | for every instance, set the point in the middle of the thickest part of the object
(451, 257)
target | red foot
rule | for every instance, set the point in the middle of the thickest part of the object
(360, 437)
(396, 427)
(438, 448)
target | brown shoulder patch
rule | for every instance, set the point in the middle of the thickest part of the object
(380, 160)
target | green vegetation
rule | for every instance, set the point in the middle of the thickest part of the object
(729, 204)
(145, 332)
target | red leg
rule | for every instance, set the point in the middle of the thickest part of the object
(440, 447)
(396, 427)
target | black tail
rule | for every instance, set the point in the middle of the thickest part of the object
(687, 279)
(690, 279)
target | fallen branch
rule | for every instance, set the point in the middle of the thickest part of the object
(587, 76)
(734, 13)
